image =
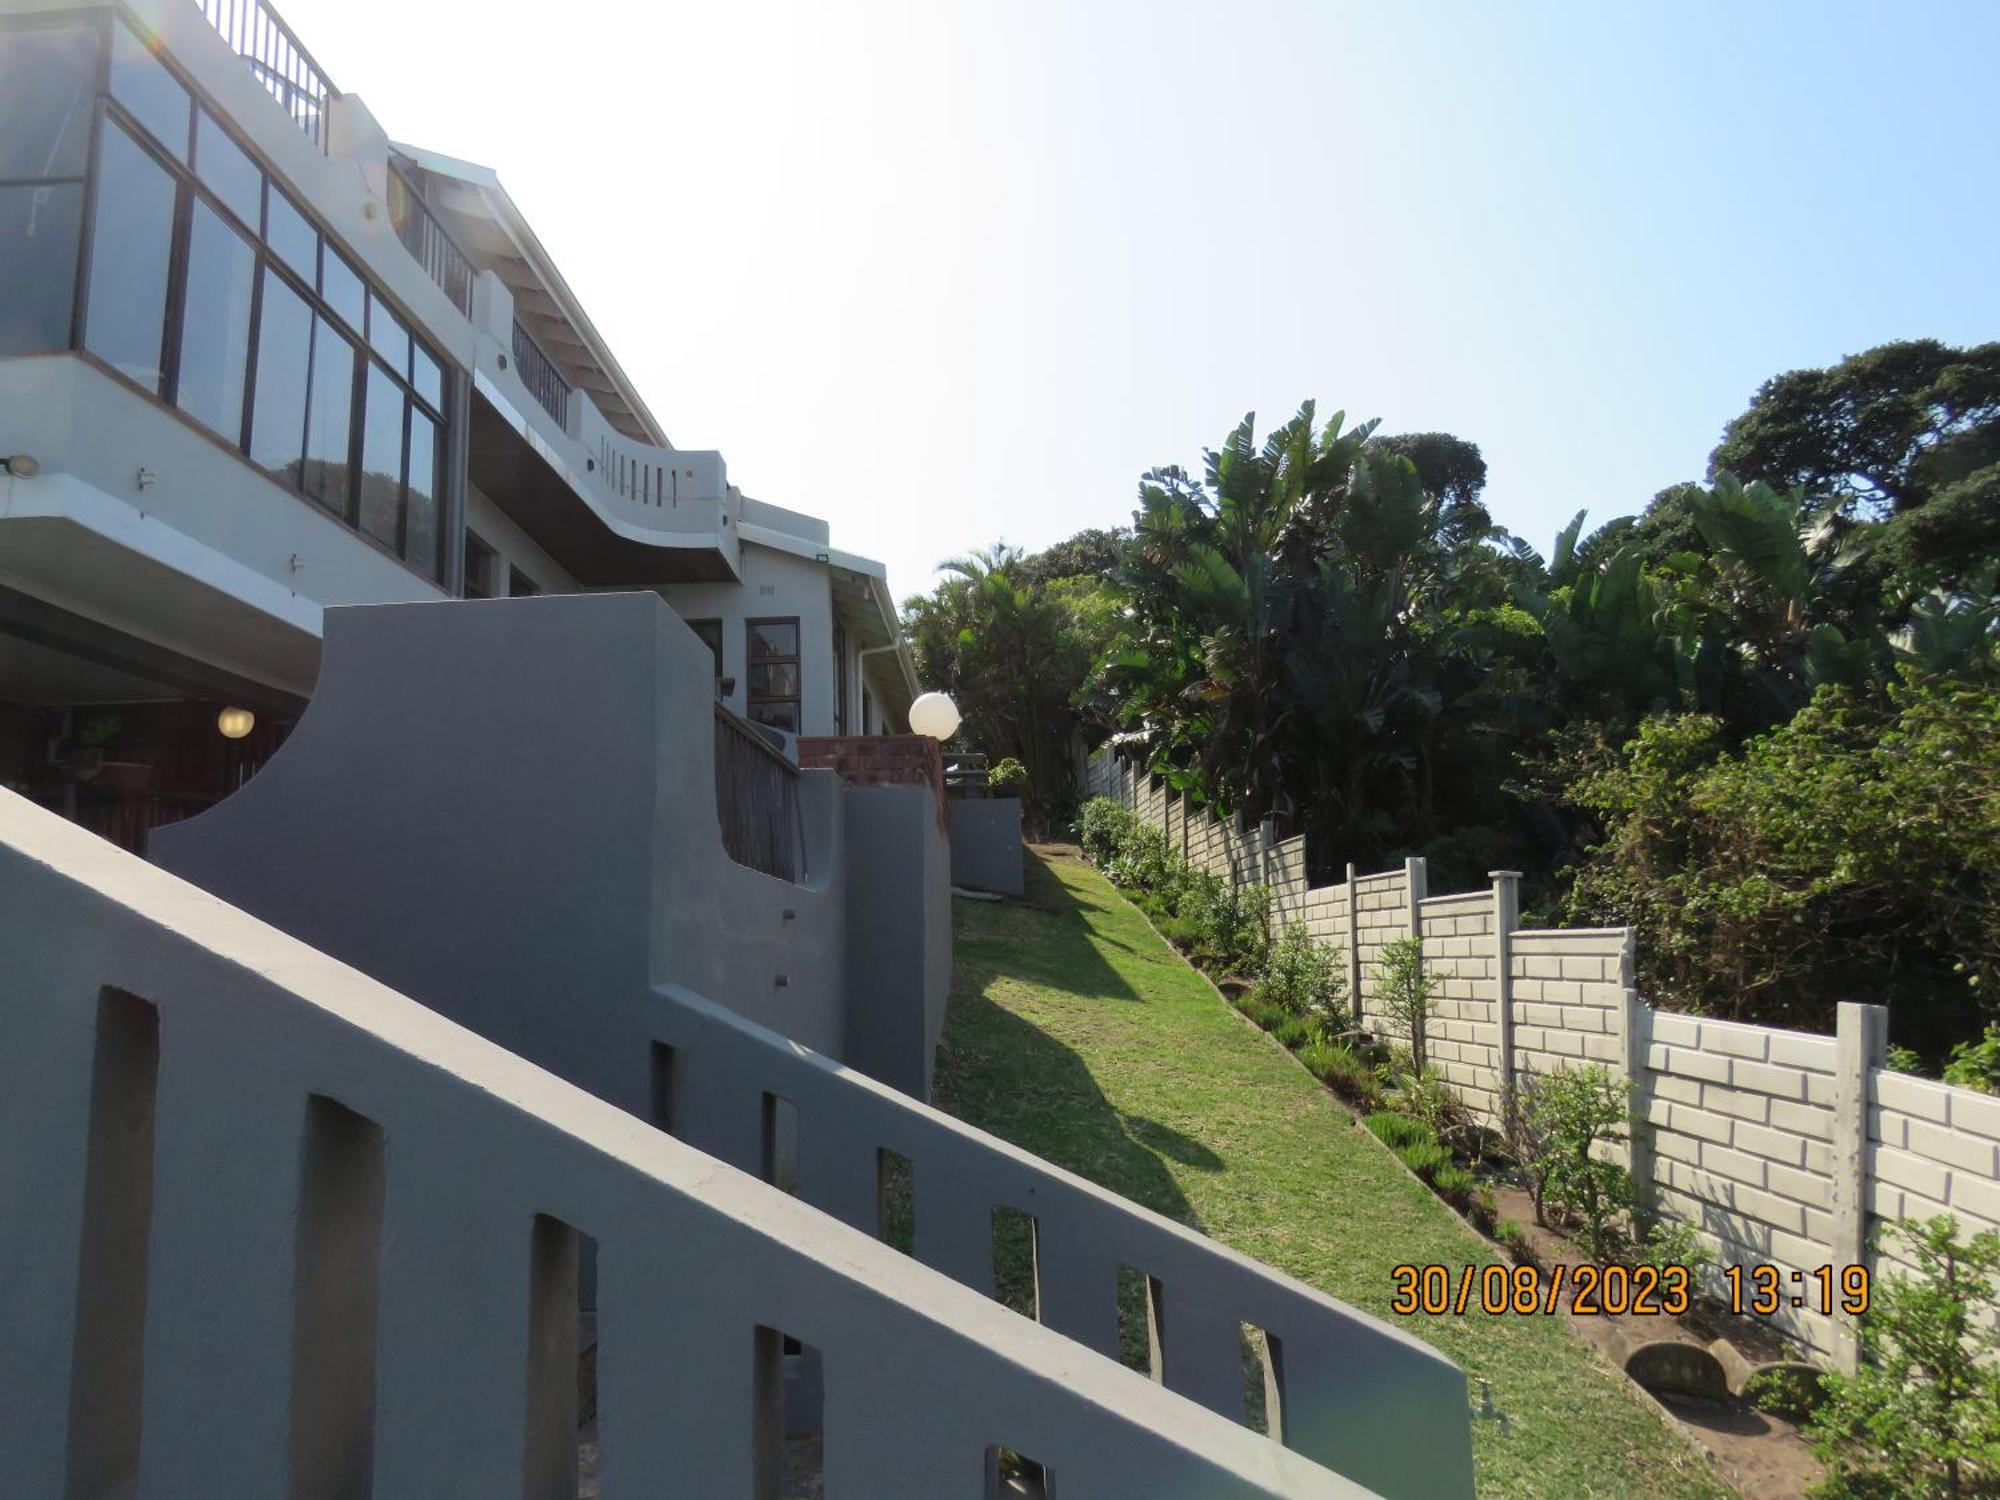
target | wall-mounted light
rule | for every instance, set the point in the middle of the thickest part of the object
(935, 715)
(21, 465)
(235, 722)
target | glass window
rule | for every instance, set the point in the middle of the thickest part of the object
(341, 285)
(420, 499)
(329, 417)
(482, 568)
(130, 242)
(382, 458)
(520, 585)
(389, 337)
(47, 77)
(228, 171)
(39, 224)
(215, 327)
(292, 237)
(141, 83)
(284, 357)
(772, 691)
(427, 375)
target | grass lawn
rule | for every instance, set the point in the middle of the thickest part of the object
(1076, 1033)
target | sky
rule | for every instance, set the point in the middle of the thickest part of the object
(946, 273)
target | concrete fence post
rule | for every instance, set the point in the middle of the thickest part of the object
(1414, 883)
(1184, 823)
(1506, 917)
(1267, 850)
(1636, 1037)
(1860, 1048)
(1354, 947)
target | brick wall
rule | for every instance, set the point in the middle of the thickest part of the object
(1778, 1147)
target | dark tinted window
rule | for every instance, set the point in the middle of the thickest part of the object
(389, 337)
(141, 83)
(129, 245)
(427, 375)
(46, 80)
(215, 330)
(39, 223)
(382, 458)
(774, 638)
(420, 537)
(284, 359)
(482, 567)
(228, 171)
(341, 286)
(295, 241)
(520, 585)
(329, 417)
(710, 632)
(772, 691)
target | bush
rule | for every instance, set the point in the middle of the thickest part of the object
(1671, 1243)
(1510, 1236)
(1454, 1184)
(1009, 777)
(1102, 828)
(1304, 977)
(1345, 1071)
(1976, 1065)
(1425, 1096)
(1406, 992)
(1426, 1158)
(1267, 1016)
(1793, 1392)
(1560, 1121)
(1485, 1208)
(1922, 1415)
(1396, 1131)
(1293, 1031)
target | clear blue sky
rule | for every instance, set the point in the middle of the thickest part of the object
(945, 272)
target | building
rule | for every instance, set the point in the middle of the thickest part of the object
(526, 1069)
(257, 362)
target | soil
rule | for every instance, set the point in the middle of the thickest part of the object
(1756, 1453)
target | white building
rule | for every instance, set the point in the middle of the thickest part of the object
(255, 360)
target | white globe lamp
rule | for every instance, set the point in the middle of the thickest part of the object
(235, 722)
(935, 715)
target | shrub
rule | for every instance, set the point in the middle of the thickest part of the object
(1793, 1392)
(1485, 1208)
(1426, 1158)
(1425, 1096)
(1922, 1415)
(1406, 992)
(1102, 827)
(1976, 1065)
(1561, 1121)
(1510, 1236)
(1670, 1243)
(1142, 858)
(1008, 777)
(1454, 1184)
(1267, 1016)
(1345, 1071)
(1293, 1031)
(1396, 1131)
(1304, 977)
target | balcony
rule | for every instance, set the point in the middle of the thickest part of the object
(278, 59)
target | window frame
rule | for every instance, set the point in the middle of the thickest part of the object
(189, 188)
(752, 700)
(476, 546)
(516, 578)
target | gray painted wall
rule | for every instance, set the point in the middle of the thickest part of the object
(986, 844)
(506, 809)
(899, 925)
(268, 1227)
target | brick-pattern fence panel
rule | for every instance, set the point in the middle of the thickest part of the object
(1742, 1121)
(1381, 915)
(1569, 994)
(1464, 1036)
(1932, 1149)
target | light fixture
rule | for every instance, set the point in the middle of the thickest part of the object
(21, 465)
(235, 722)
(935, 715)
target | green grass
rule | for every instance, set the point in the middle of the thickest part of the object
(1076, 1033)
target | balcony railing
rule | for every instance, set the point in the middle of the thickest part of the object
(259, 35)
(757, 800)
(430, 243)
(539, 374)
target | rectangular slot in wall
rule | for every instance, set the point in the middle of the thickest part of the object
(664, 1096)
(1016, 1282)
(895, 1201)
(337, 1262)
(1263, 1382)
(1138, 1345)
(107, 1372)
(559, 1397)
(781, 1143)
(1015, 1476)
(767, 1412)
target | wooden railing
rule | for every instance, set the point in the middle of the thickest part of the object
(539, 374)
(274, 53)
(757, 800)
(428, 241)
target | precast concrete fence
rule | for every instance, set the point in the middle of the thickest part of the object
(1779, 1148)
(270, 1228)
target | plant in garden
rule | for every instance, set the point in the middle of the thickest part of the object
(1007, 776)
(1561, 1120)
(1427, 1158)
(1424, 1095)
(1304, 977)
(1922, 1415)
(1453, 1184)
(1405, 992)
(1396, 1131)
(1976, 1065)
(1668, 1242)
(1102, 827)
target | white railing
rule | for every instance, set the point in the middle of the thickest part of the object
(268, 1227)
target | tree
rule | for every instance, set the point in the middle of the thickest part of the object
(1451, 470)
(1092, 553)
(1881, 430)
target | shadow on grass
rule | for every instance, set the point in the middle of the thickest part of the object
(1044, 937)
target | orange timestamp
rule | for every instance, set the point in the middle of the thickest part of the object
(1766, 1289)
(1435, 1290)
